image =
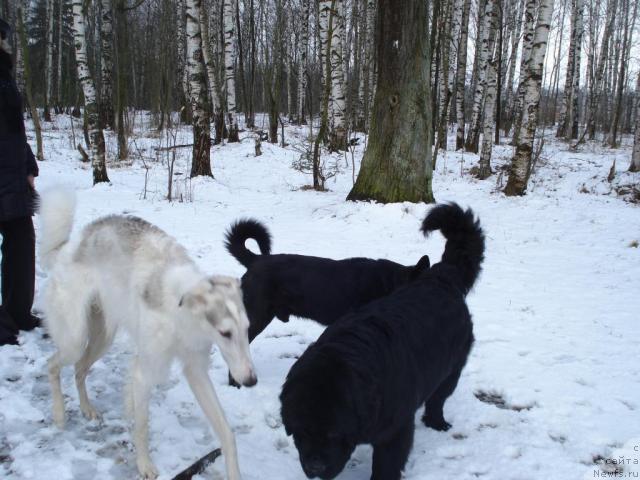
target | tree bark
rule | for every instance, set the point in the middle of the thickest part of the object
(461, 74)
(96, 136)
(302, 64)
(201, 162)
(532, 80)
(397, 165)
(106, 65)
(229, 59)
(49, 61)
(635, 154)
(214, 88)
(486, 44)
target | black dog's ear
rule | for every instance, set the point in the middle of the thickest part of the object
(423, 264)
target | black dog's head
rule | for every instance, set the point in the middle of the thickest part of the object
(321, 412)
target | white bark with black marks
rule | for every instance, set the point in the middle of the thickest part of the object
(532, 80)
(229, 60)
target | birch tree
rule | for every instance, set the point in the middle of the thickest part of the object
(201, 161)
(106, 64)
(302, 63)
(635, 154)
(484, 166)
(49, 60)
(229, 59)
(96, 136)
(212, 76)
(485, 44)
(527, 44)
(532, 80)
(338, 134)
(397, 164)
(568, 121)
(515, 41)
(461, 74)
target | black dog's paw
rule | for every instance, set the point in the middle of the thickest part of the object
(232, 382)
(439, 424)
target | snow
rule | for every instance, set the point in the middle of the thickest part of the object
(553, 382)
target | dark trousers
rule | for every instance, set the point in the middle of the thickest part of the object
(18, 274)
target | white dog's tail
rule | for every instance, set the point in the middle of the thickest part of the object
(57, 208)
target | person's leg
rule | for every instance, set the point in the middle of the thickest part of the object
(18, 271)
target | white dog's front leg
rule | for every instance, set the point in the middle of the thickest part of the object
(205, 394)
(140, 393)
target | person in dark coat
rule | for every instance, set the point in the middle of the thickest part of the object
(18, 169)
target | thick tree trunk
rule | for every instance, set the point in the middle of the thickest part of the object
(397, 165)
(527, 44)
(201, 162)
(229, 60)
(106, 65)
(532, 80)
(181, 71)
(461, 74)
(96, 136)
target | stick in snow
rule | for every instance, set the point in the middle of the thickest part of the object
(199, 466)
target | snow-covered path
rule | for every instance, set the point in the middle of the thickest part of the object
(553, 382)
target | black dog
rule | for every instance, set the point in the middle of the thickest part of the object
(368, 373)
(317, 288)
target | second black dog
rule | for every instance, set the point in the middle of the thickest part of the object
(368, 373)
(320, 289)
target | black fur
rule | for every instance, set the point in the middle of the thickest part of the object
(368, 373)
(312, 287)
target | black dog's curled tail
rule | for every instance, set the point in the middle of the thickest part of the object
(465, 240)
(239, 233)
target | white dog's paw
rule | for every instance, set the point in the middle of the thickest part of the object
(147, 469)
(91, 413)
(58, 416)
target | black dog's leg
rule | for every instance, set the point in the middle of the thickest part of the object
(390, 457)
(433, 415)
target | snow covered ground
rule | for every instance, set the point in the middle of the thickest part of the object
(553, 382)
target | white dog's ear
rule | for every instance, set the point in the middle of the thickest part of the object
(196, 298)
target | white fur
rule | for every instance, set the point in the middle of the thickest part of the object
(125, 272)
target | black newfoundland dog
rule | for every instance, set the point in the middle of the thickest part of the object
(320, 289)
(368, 373)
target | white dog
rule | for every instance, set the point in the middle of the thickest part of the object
(124, 271)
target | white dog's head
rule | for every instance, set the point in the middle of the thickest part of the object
(218, 300)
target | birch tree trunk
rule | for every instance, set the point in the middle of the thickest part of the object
(527, 44)
(635, 154)
(532, 79)
(229, 59)
(515, 41)
(181, 71)
(106, 65)
(628, 21)
(58, 100)
(214, 87)
(445, 42)
(485, 44)
(461, 74)
(484, 166)
(397, 165)
(338, 134)
(201, 162)
(49, 61)
(302, 64)
(568, 113)
(366, 64)
(96, 136)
